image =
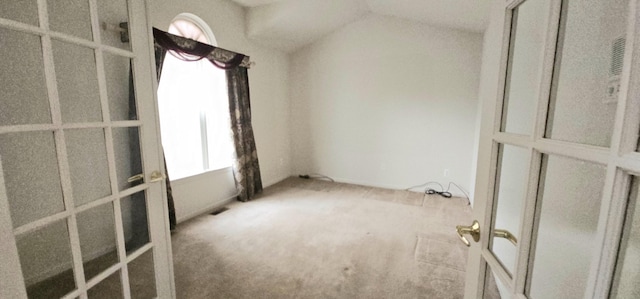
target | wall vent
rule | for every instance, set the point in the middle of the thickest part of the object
(615, 70)
(617, 56)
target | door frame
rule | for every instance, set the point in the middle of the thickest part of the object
(157, 204)
(621, 159)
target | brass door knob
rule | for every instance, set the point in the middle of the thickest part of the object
(473, 230)
(157, 176)
(137, 177)
(503, 233)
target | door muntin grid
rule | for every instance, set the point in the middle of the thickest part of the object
(59, 161)
(543, 144)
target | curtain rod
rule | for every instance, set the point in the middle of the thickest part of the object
(217, 53)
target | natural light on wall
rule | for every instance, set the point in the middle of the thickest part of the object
(194, 108)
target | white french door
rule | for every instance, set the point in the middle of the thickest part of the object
(83, 210)
(557, 205)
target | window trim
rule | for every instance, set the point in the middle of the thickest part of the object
(200, 23)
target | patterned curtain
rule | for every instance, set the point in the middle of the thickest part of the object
(160, 54)
(138, 209)
(246, 168)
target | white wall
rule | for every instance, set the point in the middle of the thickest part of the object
(489, 73)
(202, 193)
(386, 102)
(269, 102)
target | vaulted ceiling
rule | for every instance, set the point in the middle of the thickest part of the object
(289, 25)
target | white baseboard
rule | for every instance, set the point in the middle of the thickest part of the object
(454, 190)
(275, 181)
(208, 209)
(365, 183)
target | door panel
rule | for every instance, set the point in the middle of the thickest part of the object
(628, 265)
(567, 224)
(127, 156)
(511, 191)
(98, 242)
(524, 69)
(491, 287)
(113, 17)
(45, 257)
(21, 11)
(77, 82)
(25, 99)
(78, 146)
(71, 17)
(109, 288)
(119, 87)
(568, 191)
(140, 270)
(31, 157)
(586, 81)
(89, 167)
(134, 215)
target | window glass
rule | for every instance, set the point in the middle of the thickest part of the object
(194, 111)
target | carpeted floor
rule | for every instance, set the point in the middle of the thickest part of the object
(316, 239)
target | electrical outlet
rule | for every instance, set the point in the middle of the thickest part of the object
(446, 173)
(613, 90)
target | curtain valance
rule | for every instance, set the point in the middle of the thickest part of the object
(246, 168)
(189, 49)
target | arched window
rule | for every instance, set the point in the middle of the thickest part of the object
(194, 107)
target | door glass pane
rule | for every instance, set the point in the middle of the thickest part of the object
(110, 288)
(122, 104)
(77, 80)
(492, 288)
(524, 66)
(88, 164)
(25, 11)
(128, 157)
(625, 284)
(571, 192)
(586, 78)
(23, 88)
(32, 179)
(142, 276)
(113, 16)
(71, 17)
(511, 191)
(45, 257)
(96, 228)
(135, 221)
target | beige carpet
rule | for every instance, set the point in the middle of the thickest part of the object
(316, 239)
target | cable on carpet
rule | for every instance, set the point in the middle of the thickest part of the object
(316, 176)
(442, 192)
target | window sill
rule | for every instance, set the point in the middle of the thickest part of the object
(201, 176)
